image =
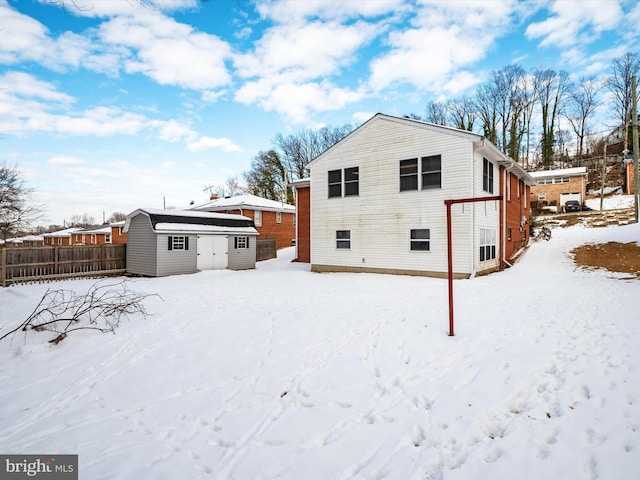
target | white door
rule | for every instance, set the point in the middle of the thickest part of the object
(220, 251)
(205, 252)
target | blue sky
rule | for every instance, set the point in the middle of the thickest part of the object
(112, 105)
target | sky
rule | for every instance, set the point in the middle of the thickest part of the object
(112, 105)
(343, 376)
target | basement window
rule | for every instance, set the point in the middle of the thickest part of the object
(420, 240)
(343, 239)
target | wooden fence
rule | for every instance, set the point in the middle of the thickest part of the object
(265, 249)
(24, 264)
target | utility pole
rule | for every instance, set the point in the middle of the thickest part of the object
(634, 124)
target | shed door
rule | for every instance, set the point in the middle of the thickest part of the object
(220, 251)
(205, 252)
(212, 252)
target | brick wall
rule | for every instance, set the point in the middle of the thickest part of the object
(303, 208)
(553, 191)
(516, 197)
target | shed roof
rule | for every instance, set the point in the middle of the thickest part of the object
(194, 221)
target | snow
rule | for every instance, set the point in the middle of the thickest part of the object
(280, 373)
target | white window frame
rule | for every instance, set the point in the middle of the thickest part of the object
(257, 218)
(343, 239)
(278, 217)
(488, 244)
(416, 240)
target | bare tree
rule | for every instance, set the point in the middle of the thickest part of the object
(295, 151)
(18, 211)
(553, 88)
(81, 221)
(267, 177)
(583, 101)
(623, 70)
(486, 101)
(117, 217)
(101, 308)
(437, 113)
(462, 113)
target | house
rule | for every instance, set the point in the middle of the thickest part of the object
(60, 237)
(107, 234)
(377, 202)
(556, 187)
(172, 242)
(272, 219)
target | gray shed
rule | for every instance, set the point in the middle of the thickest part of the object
(173, 242)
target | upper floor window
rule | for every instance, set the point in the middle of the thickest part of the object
(278, 217)
(487, 175)
(344, 182)
(257, 218)
(430, 169)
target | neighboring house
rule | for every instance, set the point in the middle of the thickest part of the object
(172, 242)
(556, 187)
(272, 219)
(59, 238)
(26, 241)
(94, 235)
(377, 202)
(106, 234)
(303, 220)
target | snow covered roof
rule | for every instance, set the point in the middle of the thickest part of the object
(249, 202)
(563, 172)
(194, 221)
(62, 233)
(96, 229)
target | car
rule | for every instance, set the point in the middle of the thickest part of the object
(572, 206)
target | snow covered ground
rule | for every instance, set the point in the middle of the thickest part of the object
(279, 373)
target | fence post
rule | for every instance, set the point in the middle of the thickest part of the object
(3, 266)
(55, 259)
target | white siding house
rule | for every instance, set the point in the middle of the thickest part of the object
(378, 200)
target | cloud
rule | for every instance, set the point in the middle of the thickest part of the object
(65, 160)
(169, 52)
(31, 105)
(442, 39)
(205, 143)
(572, 23)
(292, 11)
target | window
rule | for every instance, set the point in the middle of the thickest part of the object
(430, 169)
(542, 196)
(420, 239)
(351, 182)
(335, 183)
(278, 217)
(343, 238)
(178, 243)
(257, 218)
(107, 238)
(431, 172)
(241, 242)
(409, 174)
(487, 175)
(487, 244)
(508, 233)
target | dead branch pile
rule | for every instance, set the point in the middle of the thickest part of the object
(101, 308)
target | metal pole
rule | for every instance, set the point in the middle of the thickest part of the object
(634, 123)
(604, 172)
(450, 265)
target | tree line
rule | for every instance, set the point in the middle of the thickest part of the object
(518, 111)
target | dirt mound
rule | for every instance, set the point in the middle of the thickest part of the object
(614, 256)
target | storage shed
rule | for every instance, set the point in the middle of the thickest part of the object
(173, 242)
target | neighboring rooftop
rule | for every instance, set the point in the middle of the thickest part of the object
(249, 202)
